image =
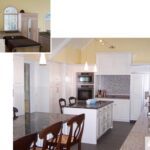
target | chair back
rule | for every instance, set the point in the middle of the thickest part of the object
(25, 142)
(15, 110)
(75, 131)
(51, 136)
(72, 100)
(62, 103)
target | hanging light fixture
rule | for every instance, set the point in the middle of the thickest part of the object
(86, 67)
(95, 68)
(106, 44)
(42, 59)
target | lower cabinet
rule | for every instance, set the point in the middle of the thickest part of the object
(121, 109)
(104, 119)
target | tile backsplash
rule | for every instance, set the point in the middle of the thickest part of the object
(115, 84)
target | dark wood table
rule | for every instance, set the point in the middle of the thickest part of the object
(35, 122)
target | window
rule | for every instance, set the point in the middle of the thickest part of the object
(10, 19)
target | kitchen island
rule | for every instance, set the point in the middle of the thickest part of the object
(98, 118)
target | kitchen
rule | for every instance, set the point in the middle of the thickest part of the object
(117, 79)
(25, 28)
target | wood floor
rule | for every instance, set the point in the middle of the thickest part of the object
(111, 140)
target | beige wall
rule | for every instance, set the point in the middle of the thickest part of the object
(68, 55)
(42, 7)
(139, 47)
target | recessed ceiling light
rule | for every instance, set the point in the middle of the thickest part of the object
(100, 41)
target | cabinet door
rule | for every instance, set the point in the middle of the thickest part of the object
(121, 110)
(34, 29)
(113, 63)
(101, 124)
(109, 116)
(24, 26)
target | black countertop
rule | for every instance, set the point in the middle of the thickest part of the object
(99, 104)
(35, 122)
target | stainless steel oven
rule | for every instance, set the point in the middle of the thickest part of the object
(85, 92)
(85, 77)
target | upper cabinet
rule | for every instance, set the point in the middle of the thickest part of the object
(28, 25)
(113, 63)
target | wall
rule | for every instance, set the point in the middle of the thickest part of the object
(115, 84)
(139, 47)
(6, 97)
(42, 7)
(68, 55)
(18, 84)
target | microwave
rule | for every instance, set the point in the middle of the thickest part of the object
(85, 77)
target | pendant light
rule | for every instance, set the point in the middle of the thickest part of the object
(95, 68)
(86, 67)
(42, 59)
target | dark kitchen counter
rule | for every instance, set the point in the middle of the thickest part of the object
(99, 104)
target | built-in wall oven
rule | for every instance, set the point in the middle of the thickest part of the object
(85, 77)
(85, 92)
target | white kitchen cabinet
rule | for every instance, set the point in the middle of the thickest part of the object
(104, 119)
(121, 109)
(113, 63)
(18, 85)
(28, 25)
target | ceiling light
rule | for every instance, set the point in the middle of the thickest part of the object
(95, 68)
(42, 59)
(100, 41)
(86, 67)
(106, 44)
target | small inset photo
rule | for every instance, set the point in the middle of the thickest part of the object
(25, 26)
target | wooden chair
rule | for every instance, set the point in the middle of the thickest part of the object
(25, 142)
(15, 110)
(62, 103)
(75, 126)
(72, 100)
(53, 142)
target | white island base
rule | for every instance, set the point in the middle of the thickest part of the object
(97, 121)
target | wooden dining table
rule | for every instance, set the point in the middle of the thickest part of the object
(35, 122)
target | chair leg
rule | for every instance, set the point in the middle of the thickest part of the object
(79, 146)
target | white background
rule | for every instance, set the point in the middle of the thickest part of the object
(100, 18)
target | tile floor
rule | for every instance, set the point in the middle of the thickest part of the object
(112, 139)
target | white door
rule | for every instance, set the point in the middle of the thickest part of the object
(137, 96)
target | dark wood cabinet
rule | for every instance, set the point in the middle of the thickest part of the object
(44, 40)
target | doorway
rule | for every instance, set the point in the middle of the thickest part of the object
(27, 87)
